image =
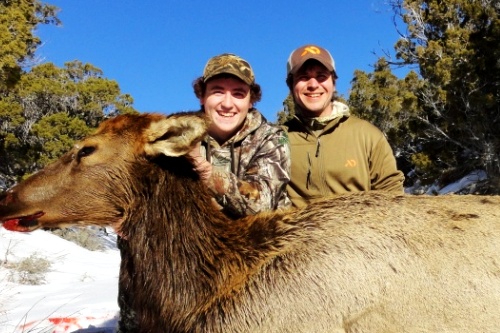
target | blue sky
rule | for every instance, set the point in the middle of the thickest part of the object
(154, 49)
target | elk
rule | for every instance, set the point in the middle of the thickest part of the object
(365, 262)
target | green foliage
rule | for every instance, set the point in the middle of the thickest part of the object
(459, 62)
(18, 19)
(49, 109)
(425, 167)
(56, 134)
(288, 110)
(43, 108)
(383, 99)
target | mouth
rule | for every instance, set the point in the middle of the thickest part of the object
(226, 114)
(315, 95)
(23, 223)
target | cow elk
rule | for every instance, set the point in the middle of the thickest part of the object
(366, 262)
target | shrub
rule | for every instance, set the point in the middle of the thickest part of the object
(85, 237)
(30, 270)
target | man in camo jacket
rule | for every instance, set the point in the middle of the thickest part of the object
(244, 160)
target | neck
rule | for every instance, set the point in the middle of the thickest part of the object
(305, 113)
(182, 253)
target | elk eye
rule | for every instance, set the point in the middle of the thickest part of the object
(85, 151)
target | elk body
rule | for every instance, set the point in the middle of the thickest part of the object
(355, 263)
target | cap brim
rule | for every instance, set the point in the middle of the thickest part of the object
(228, 72)
(303, 61)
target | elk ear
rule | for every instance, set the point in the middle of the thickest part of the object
(175, 135)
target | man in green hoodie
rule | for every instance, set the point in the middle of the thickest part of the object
(332, 151)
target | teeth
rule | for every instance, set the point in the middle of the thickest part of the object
(227, 115)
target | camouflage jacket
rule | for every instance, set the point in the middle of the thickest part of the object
(251, 170)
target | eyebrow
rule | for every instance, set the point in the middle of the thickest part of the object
(244, 90)
(238, 89)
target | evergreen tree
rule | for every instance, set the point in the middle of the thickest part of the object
(50, 108)
(288, 110)
(456, 46)
(43, 108)
(18, 20)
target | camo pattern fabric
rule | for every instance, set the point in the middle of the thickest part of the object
(250, 172)
(229, 64)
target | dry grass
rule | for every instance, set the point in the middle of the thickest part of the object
(30, 271)
(88, 237)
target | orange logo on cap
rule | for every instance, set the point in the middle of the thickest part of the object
(310, 49)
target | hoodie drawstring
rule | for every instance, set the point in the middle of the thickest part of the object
(234, 161)
(308, 178)
(317, 147)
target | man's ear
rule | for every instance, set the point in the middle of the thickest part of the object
(175, 135)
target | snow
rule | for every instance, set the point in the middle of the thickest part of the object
(466, 183)
(80, 292)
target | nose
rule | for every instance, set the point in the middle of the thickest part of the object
(227, 100)
(312, 83)
(7, 197)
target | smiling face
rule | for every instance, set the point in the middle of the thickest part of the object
(226, 102)
(313, 89)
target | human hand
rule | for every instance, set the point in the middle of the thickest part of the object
(202, 167)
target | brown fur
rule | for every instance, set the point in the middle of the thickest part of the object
(356, 263)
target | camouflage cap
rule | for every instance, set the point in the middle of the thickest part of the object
(299, 56)
(228, 63)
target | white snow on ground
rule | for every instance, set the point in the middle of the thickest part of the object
(80, 290)
(468, 181)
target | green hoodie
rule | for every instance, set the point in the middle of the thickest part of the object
(342, 154)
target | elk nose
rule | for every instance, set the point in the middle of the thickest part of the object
(6, 197)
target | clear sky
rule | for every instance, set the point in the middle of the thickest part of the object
(154, 49)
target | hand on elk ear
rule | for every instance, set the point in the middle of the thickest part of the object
(202, 167)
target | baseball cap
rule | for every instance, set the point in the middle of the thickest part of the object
(299, 56)
(228, 63)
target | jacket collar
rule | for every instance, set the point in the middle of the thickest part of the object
(252, 122)
(321, 124)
